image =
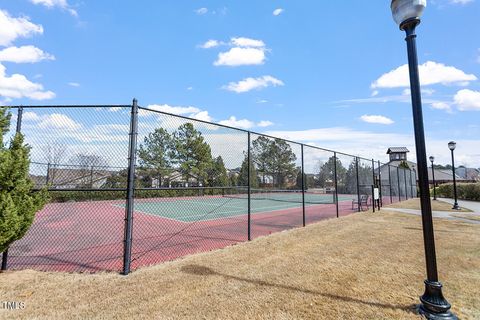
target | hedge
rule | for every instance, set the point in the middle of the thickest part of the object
(79, 195)
(465, 191)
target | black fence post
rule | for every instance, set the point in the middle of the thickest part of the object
(48, 174)
(249, 190)
(410, 183)
(18, 130)
(19, 120)
(406, 188)
(374, 184)
(390, 183)
(91, 177)
(373, 199)
(132, 152)
(398, 180)
(358, 185)
(380, 183)
(336, 181)
(303, 187)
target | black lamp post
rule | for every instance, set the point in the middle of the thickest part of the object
(451, 146)
(406, 14)
(433, 178)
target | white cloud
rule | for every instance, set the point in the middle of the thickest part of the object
(241, 57)
(30, 116)
(265, 123)
(114, 109)
(233, 122)
(13, 28)
(18, 86)
(62, 4)
(247, 42)
(261, 101)
(278, 11)
(202, 115)
(441, 106)
(430, 73)
(425, 91)
(463, 2)
(376, 119)
(210, 44)
(24, 54)
(74, 84)
(249, 84)
(201, 11)
(467, 100)
(174, 110)
(58, 121)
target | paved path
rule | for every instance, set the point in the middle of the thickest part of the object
(471, 205)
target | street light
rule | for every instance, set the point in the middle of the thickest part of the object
(406, 14)
(433, 178)
(452, 145)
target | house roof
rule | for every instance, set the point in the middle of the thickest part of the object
(443, 175)
(397, 149)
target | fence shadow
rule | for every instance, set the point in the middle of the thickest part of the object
(199, 270)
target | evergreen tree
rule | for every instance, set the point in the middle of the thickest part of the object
(351, 179)
(281, 163)
(192, 153)
(404, 165)
(217, 174)
(18, 204)
(261, 156)
(155, 155)
(243, 176)
(327, 172)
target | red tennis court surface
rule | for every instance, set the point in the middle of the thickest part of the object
(89, 236)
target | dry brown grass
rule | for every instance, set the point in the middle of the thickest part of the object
(469, 216)
(365, 266)
(437, 205)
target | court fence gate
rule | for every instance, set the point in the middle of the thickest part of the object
(131, 186)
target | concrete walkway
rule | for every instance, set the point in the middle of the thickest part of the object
(471, 205)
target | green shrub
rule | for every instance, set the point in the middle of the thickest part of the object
(80, 195)
(465, 191)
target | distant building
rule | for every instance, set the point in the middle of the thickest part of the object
(397, 155)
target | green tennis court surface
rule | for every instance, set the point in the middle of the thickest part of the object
(209, 208)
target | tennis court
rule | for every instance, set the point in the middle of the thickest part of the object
(191, 209)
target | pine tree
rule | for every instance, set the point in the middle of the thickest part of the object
(192, 153)
(243, 174)
(155, 155)
(18, 204)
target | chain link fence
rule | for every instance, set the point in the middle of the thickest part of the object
(131, 186)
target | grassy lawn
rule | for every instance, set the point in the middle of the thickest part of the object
(437, 205)
(365, 266)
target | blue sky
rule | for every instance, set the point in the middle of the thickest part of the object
(324, 73)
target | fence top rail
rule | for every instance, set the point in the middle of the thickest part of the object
(246, 131)
(69, 106)
(186, 118)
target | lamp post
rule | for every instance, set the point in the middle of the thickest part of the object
(406, 14)
(452, 145)
(433, 177)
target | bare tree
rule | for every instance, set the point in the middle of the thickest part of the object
(54, 154)
(86, 164)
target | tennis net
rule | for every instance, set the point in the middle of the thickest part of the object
(295, 196)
